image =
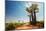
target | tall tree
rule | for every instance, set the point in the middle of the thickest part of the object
(32, 10)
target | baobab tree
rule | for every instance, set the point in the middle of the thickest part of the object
(32, 10)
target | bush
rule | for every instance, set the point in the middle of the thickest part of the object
(10, 26)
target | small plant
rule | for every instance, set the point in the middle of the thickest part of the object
(10, 26)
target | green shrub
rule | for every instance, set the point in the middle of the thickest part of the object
(10, 26)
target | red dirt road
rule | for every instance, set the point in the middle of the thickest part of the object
(25, 27)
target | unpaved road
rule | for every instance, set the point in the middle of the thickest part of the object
(25, 27)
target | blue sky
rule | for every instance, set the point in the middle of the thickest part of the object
(16, 10)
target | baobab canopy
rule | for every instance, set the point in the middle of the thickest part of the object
(33, 7)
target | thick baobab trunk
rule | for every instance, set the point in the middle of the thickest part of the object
(33, 18)
(30, 19)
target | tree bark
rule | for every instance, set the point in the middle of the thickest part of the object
(34, 17)
(30, 19)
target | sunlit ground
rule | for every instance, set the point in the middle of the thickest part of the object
(24, 26)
